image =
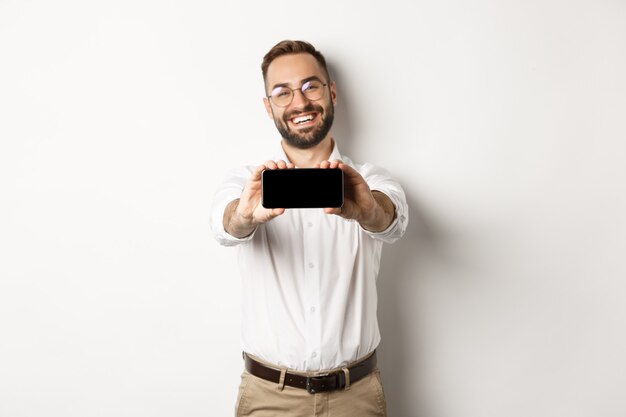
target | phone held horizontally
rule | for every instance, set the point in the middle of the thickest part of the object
(302, 188)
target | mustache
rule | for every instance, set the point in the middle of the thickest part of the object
(306, 109)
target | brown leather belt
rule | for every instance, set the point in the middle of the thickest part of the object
(318, 383)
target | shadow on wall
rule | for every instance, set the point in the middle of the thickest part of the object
(398, 280)
(398, 276)
(342, 126)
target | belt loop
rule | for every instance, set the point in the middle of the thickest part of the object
(281, 381)
(346, 372)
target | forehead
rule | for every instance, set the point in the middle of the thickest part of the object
(292, 69)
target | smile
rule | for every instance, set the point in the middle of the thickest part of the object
(304, 119)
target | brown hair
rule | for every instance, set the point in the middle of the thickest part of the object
(288, 47)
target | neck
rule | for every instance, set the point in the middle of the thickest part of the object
(307, 158)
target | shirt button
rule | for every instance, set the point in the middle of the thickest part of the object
(312, 309)
(311, 265)
(314, 354)
(309, 224)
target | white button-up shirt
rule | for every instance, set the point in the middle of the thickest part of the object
(309, 278)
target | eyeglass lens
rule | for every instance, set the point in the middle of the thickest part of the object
(312, 90)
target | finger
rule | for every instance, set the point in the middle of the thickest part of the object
(348, 170)
(332, 210)
(271, 164)
(281, 164)
(324, 164)
(290, 165)
(277, 212)
(269, 214)
(256, 173)
(335, 163)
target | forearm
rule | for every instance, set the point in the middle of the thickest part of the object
(382, 216)
(236, 225)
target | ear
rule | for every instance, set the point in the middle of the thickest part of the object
(333, 93)
(268, 108)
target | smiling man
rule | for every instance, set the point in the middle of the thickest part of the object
(305, 125)
(309, 298)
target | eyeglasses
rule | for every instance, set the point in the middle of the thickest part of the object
(283, 96)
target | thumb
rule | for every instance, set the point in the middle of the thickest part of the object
(277, 212)
(332, 210)
(269, 214)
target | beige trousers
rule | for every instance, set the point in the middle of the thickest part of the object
(260, 398)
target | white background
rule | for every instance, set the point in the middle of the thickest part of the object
(504, 121)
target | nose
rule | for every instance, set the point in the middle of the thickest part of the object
(299, 100)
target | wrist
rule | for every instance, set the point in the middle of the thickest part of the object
(381, 216)
(372, 218)
(244, 223)
(238, 224)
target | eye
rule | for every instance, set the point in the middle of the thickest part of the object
(310, 86)
(280, 92)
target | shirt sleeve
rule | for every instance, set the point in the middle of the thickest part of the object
(228, 191)
(380, 179)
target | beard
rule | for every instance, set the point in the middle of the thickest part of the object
(309, 137)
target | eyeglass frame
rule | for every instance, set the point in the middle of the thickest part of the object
(293, 94)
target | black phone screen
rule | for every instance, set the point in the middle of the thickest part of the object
(302, 188)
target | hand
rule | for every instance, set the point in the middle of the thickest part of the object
(373, 210)
(247, 213)
(358, 200)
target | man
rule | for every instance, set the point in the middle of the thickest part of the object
(308, 275)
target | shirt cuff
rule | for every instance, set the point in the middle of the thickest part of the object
(397, 227)
(217, 225)
(226, 239)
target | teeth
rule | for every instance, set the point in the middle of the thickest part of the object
(303, 119)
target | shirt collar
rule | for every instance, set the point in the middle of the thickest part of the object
(335, 154)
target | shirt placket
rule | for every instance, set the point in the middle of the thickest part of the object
(312, 269)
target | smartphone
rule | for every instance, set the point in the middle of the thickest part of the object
(302, 188)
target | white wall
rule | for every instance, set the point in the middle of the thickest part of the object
(503, 120)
